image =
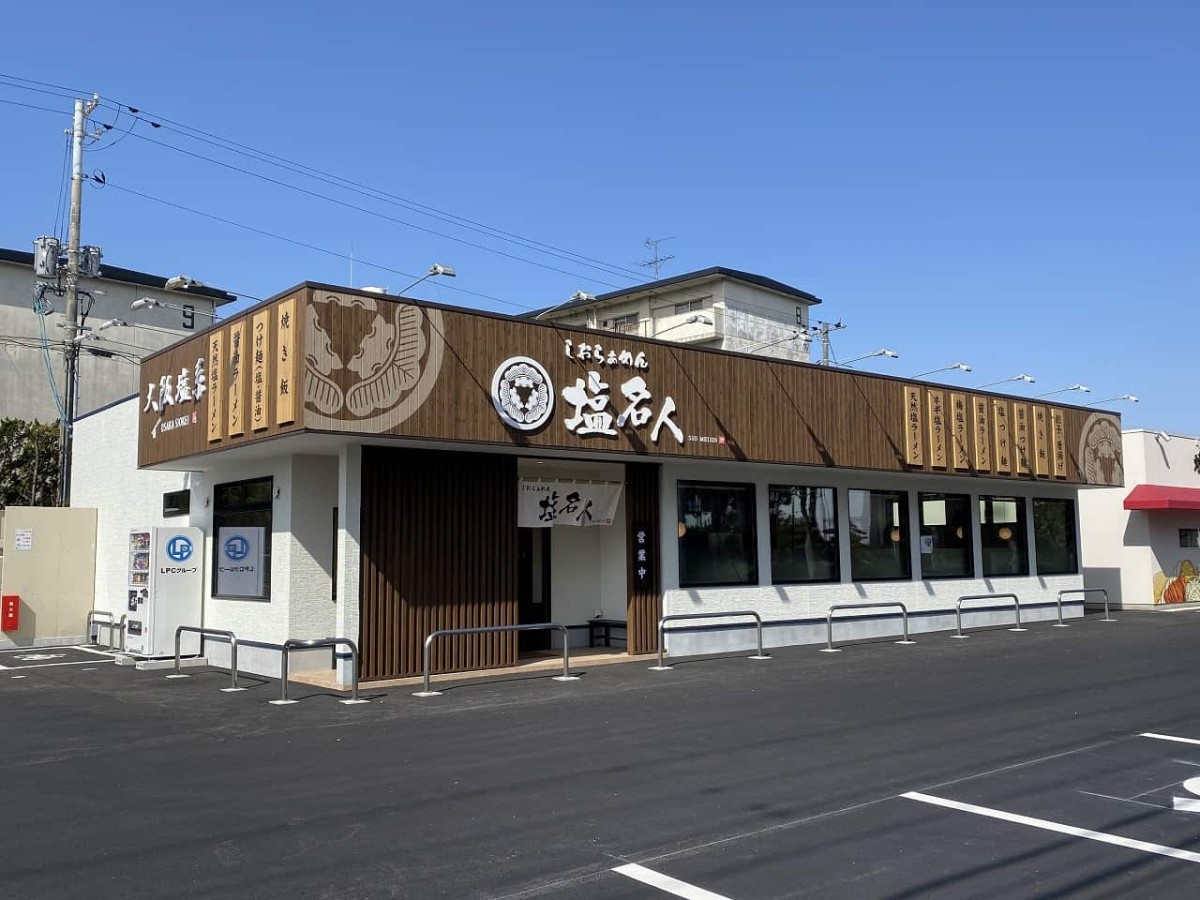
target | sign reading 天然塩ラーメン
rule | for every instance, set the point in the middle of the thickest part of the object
(542, 504)
(355, 363)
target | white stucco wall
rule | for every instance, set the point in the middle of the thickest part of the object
(105, 476)
(1123, 549)
(787, 603)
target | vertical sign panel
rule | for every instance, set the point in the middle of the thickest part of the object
(1060, 444)
(959, 428)
(237, 381)
(216, 386)
(1003, 434)
(285, 363)
(983, 438)
(260, 384)
(1041, 442)
(937, 429)
(1021, 429)
(913, 453)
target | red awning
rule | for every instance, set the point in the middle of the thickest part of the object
(1162, 496)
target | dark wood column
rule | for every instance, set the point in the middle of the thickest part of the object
(643, 556)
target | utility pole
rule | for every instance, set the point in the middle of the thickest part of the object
(83, 109)
(823, 334)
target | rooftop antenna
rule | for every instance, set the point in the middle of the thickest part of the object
(656, 261)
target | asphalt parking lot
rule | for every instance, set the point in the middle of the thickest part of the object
(1045, 764)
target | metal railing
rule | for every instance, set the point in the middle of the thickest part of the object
(218, 635)
(492, 629)
(829, 648)
(333, 642)
(114, 628)
(91, 623)
(958, 610)
(1107, 617)
(743, 613)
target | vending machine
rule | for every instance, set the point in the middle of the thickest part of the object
(166, 590)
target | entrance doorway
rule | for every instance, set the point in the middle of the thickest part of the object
(533, 587)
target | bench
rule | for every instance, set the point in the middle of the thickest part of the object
(602, 630)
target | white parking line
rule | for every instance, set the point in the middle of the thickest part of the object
(666, 883)
(1167, 737)
(86, 662)
(1046, 825)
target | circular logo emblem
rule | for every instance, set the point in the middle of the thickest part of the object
(523, 393)
(237, 547)
(179, 548)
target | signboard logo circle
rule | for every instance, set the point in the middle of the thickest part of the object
(237, 547)
(523, 393)
(179, 548)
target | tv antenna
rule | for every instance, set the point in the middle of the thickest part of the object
(656, 261)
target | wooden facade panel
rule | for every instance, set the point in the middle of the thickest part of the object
(373, 365)
(453, 565)
(643, 556)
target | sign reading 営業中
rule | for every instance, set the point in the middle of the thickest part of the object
(240, 562)
(542, 504)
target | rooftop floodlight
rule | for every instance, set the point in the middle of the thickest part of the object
(112, 323)
(182, 283)
(694, 319)
(1022, 377)
(1082, 388)
(435, 270)
(953, 367)
(577, 297)
(154, 302)
(783, 340)
(882, 351)
(1125, 398)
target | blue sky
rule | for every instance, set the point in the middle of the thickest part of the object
(1013, 186)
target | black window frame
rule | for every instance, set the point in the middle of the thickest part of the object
(220, 519)
(1072, 534)
(905, 539)
(749, 536)
(1021, 538)
(968, 536)
(835, 539)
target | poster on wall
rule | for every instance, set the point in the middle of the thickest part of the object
(543, 504)
(240, 562)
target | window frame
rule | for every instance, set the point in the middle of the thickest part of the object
(905, 527)
(968, 535)
(258, 506)
(1073, 531)
(750, 536)
(836, 538)
(1021, 525)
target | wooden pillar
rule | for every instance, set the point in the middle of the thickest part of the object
(643, 556)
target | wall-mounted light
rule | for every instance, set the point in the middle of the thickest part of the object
(882, 351)
(1162, 437)
(953, 367)
(1022, 377)
(1082, 388)
(1124, 398)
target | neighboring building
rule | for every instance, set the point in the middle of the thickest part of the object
(108, 366)
(377, 468)
(718, 308)
(1141, 543)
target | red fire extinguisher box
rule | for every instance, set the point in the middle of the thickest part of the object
(10, 612)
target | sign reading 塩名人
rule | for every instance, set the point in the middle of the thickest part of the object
(542, 504)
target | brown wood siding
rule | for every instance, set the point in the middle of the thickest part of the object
(439, 550)
(645, 594)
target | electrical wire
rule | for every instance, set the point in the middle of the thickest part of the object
(298, 243)
(57, 112)
(61, 205)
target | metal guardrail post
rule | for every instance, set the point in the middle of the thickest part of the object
(333, 642)
(829, 648)
(114, 628)
(1107, 616)
(662, 630)
(215, 634)
(958, 610)
(91, 623)
(566, 675)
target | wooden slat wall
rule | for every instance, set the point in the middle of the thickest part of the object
(439, 550)
(641, 515)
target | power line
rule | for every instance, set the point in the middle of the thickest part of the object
(108, 183)
(57, 112)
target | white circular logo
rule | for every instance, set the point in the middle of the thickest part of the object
(523, 393)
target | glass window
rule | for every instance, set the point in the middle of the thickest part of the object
(1054, 536)
(804, 534)
(689, 306)
(717, 543)
(879, 547)
(244, 504)
(946, 536)
(1002, 536)
(1189, 538)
